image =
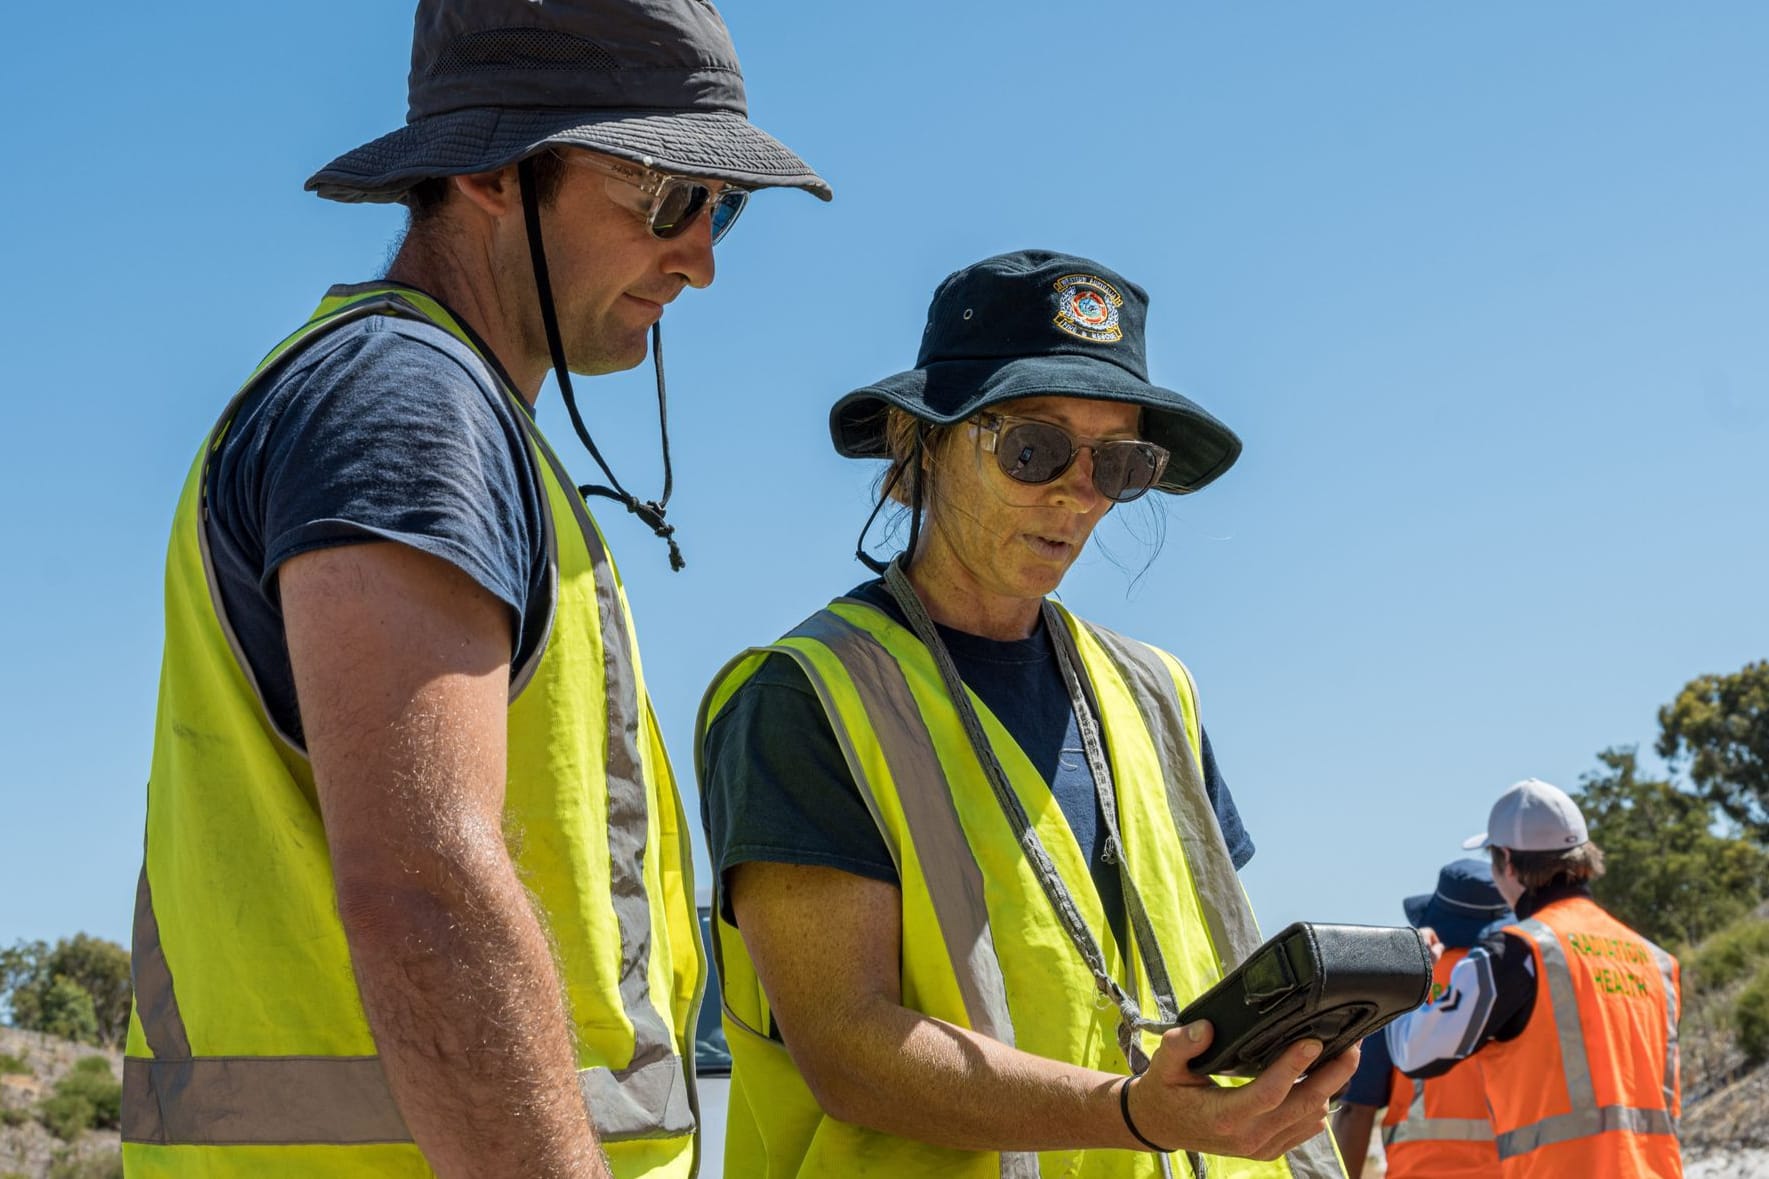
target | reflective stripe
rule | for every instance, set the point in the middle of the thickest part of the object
(1439, 1130)
(627, 830)
(1234, 934)
(1667, 969)
(151, 979)
(955, 881)
(1416, 1127)
(259, 1101)
(345, 1101)
(1587, 1117)
(1583, 1124)
(648, 1100)
(175, 1098)
(1563, 998)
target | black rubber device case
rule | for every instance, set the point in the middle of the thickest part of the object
(1335, 983)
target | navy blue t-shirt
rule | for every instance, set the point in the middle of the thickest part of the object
(778, 790)
(381, 429)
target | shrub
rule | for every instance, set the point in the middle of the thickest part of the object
(12, 1115)
(89, 1097)
(13, 1064)
(92, 1079)
(65, 1116)
(1750, 1015)
(1731, 954)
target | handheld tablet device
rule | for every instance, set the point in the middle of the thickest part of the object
(1334, 983)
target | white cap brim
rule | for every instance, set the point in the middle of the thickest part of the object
(1474, 841)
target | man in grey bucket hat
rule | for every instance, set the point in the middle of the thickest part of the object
(415, 896)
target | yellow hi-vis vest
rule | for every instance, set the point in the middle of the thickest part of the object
(982, 948)
(248, 1050)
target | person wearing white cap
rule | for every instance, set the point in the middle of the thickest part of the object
(1570, 1015)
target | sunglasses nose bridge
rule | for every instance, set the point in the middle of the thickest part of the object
(1079, 478)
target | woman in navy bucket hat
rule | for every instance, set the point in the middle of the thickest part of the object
(973, 854)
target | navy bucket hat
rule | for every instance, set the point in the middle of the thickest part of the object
(1037, 324)
(1466, 902)
(655, 82)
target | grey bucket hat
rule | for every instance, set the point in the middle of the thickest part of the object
(1029, 324)
(492, 81)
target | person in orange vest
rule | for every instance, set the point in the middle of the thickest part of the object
(1570, 1015)
(1435, 1128)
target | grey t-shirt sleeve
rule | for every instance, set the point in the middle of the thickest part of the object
(394, 439)
(382, 430)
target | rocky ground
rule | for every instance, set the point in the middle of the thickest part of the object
(27, 1150)
(1725, 1128)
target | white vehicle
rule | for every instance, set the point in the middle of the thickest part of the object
(712, 1060)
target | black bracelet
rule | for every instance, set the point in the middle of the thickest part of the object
(1124, 1108)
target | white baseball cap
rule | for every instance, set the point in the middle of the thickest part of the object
(1533, 816)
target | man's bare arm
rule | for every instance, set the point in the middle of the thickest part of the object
(401, 669)
(826, 945)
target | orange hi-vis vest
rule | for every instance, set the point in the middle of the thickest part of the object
(1591, 1086)
(1438, 1128)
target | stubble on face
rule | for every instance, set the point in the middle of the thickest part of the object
(611, 277)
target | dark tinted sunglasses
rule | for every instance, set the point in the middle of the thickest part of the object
(1038, 452)
(672, 202)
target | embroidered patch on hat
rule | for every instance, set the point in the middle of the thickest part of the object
(1087, 308)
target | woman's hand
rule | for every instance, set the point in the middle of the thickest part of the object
(1274, 1113)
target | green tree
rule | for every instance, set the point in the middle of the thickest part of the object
(79, 988)
(64, 1009)
(101, 969)
(1718, 730)
(1670, 875)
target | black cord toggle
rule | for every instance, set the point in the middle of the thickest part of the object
(650, 513)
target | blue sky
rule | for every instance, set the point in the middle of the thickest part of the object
(1482, 288)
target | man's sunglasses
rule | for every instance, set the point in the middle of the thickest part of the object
(673, 202)
(1038, 452)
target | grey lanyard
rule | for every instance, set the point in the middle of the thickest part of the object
(1130, 1016)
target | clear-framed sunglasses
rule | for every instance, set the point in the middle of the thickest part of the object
(1030, 451)
(673, 202)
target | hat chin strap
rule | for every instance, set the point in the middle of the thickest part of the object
(649, 511)
(867, 559)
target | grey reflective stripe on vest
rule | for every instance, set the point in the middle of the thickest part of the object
(1667, 969)
(177, 1099)
(1416, 1127)
(1583, 1124)
(955, 881)
(1586, 1118)
(151, 980)
(1233, 932)
(649, 1098)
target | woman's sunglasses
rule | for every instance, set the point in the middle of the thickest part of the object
(673, 202)
(1037, 452)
